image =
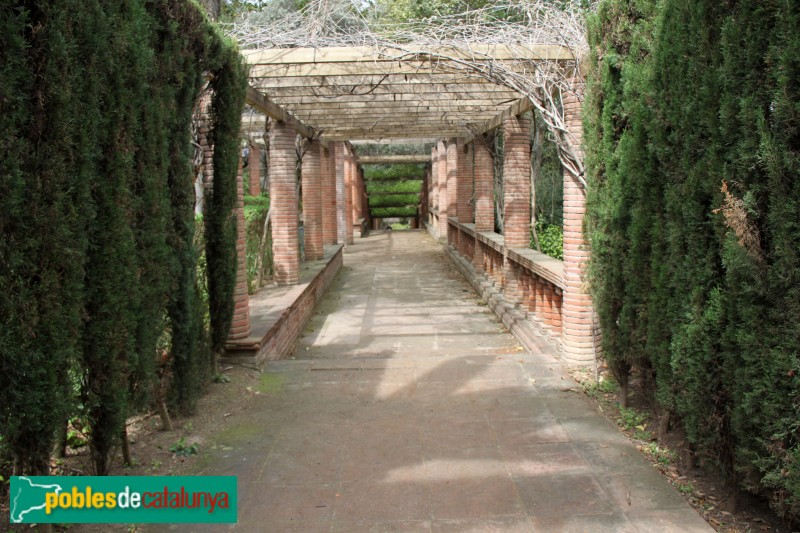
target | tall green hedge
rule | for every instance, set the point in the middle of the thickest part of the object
(693, 150)
(97, 260)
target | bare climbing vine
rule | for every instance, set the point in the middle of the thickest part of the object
(520, 25)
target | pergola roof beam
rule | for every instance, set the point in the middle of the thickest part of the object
(380, 68)
(377, 93)
(422, 78)
(361, 134)
(441, 105)
(517, 108)
(438, 97)
(357, 54)
(338, 91)
(261, 103)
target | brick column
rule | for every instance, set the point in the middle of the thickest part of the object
(328, 177)
(433, 183)
(283, 201)
(240, 326)
(441, 168)
(341, 195)
(348, 192)
(516, 197)
(312, 202)
(356, 193)
(362, 187)
(576, 320)
(484, 197)
(452, 189)
(465, 182)
(424, 200)
(254, 166)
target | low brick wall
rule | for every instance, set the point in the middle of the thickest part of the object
(535, 317)
(278, 314)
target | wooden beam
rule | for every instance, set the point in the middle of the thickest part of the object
(340, 120)
(431, 140)
(329, 91)
(430, 105)
(400, 114)
(360, 54)
(368, 81)
(353, 69)
(393, 159)
(400, 133)
(517, 108)
(262, 103)
(343, 100)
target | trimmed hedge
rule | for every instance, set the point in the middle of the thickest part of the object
(97, 257)
(693, 136)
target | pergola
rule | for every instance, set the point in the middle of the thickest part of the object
(362, 93)
(334, 96)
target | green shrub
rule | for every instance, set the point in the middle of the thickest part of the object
(98, 258)
(692, 131)
(551, 239)
(255, 213)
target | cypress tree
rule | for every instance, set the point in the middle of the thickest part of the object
(228, 95)
(624, 196)
(42, 242)
(693, 155)
(97, 256)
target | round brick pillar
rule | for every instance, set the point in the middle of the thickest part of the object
(283, 203)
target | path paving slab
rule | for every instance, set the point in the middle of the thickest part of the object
(409, 408)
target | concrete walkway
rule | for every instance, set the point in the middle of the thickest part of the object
(409, 408)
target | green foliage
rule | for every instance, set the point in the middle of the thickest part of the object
(596, 389)
(255, 212)
(393, 200)
(96, 211)
(662, 456)
(551, 239)
(630, 418)
(383, 179)
(549, 184)
(404, 10)
(399, 187)
(394, 171)
(695, 287)
(181, 449)
(229, 86)
(401, 212)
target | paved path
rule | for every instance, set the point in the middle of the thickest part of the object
(409, 408)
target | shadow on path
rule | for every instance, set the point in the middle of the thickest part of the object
(409, 408)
